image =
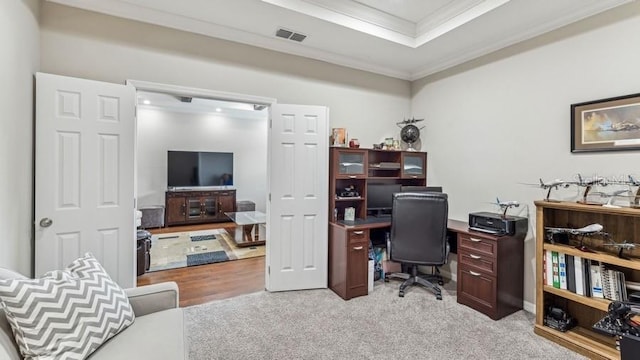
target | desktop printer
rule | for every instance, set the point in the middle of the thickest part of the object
(497, 224)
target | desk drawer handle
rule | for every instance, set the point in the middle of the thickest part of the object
(352, 177)
(475, 240)
(358, 248)
(474, 273)
(475, 257)
(358, 232)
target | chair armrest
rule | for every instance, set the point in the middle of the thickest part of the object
(153, 298)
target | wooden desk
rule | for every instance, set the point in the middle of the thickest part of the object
(349, 253)
(489, 275)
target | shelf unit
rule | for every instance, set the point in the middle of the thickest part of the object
(622, 224)
(358, 167)
(348, 245)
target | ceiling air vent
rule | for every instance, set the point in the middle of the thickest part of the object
(288, 34)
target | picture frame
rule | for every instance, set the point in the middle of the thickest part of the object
(610, 124)
(339, 137)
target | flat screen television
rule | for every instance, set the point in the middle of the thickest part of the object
(187, 169)
(380, 198)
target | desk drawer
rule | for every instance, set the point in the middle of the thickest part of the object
(479, 260)
(477, 290)
(357, 236)
(477, 244)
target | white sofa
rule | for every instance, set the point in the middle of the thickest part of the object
(158, 331)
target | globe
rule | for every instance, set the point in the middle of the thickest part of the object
(410, 134)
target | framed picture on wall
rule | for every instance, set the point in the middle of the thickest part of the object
(606, 125)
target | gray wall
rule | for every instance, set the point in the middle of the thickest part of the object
(94, 46)
(161, 130)
(502, 121)
(20, 59)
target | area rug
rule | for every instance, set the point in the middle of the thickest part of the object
(181, 249)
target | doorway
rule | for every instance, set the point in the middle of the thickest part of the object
(181, 123)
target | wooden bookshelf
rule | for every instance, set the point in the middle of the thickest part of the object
(623, 224)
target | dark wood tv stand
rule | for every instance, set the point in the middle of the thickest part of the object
(198, 206)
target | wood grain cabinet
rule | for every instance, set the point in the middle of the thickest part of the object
(196, 207)
(490, 273)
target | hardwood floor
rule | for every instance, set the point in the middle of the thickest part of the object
(204, 283)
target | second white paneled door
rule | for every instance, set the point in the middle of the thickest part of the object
(297, 230)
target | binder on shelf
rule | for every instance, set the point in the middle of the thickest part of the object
(549, 268)
(596, 280)
(562, 269)
(554, 267)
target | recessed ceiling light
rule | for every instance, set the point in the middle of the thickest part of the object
(146, 102)
(218, 109)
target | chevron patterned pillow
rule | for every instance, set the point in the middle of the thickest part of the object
(66, 314)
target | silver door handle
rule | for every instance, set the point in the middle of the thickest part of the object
(46, 222)
(476, 257)
(474, 273)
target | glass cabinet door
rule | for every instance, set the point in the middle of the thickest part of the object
(194, 207)
(210, 207)
(414, 165)
(351, 163)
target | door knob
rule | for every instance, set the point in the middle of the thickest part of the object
(46, 222)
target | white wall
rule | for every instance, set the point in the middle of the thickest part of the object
(504, 120)
(94, 46)
(20, 59)
(161, 130)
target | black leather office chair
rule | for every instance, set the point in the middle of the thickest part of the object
(419, 237)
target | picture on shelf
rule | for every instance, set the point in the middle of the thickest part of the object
(339, 137)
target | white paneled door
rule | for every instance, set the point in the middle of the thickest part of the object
(84, 175)
(297, 219)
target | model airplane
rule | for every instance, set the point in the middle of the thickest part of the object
(588, 184)
(589, 230)
(612, 197)
(555, 184)
(622, 246)
(506, 205)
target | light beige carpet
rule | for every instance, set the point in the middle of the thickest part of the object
(181, 249)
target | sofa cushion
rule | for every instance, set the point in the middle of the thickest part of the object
(65, 314)
(158, 336)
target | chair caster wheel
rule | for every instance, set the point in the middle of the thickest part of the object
(401, 294)
(438, 297)
(440, 282)
(386, 280)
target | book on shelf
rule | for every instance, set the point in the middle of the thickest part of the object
(562, 270)
(571, 273)
(555, 270)
(586, 277)
(579, 278)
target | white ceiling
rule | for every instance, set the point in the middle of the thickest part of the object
(194, 105)
(407, 39)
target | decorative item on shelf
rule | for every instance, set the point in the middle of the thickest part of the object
(354, 143)
(378, 146)
(388, 143)
(409, 133)
(349, 214)
(339, 137)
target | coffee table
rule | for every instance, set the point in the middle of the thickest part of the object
(247, 221)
